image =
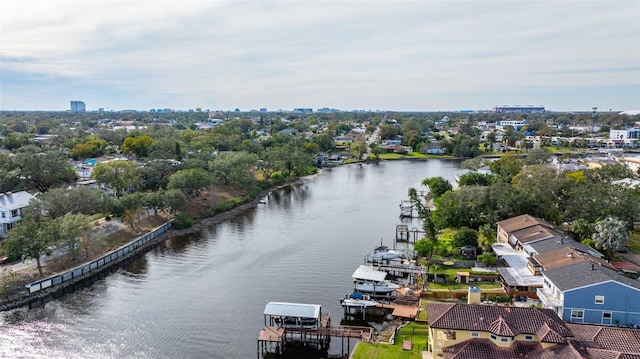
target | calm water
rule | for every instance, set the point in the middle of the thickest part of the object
(202, 296)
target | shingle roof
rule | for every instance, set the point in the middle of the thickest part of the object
(584, 274)
(566, 256)
(549, 244)
(535, 233)
(10, 201)
(522, 221)
(478, 317)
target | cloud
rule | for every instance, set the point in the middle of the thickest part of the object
(285, 54)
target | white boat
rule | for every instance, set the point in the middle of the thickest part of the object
(369, 280)
(384, 253)
(358, 300)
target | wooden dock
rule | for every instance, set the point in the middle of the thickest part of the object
(397, 268)
(404, 234)
(273, 339)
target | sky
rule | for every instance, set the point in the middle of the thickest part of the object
(365, 55)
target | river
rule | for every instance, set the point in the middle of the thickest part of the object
(202, 295)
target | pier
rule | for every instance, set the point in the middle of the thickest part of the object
(305, 325)
(404, 234)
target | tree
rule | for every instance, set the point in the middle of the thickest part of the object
(288, 159)
(235, 168)
(476, 179)
(489, 259)
(486, 237)
(190, 181)
(32, 238)
(424, 213)
(80, 199)
(72, 227)
(43, 171)
(582, 229)
(93, 147)
(465, 237)
(138, 145)
(423, 247)
(132, 217)
(119, 174)
(610, 236)
(376, 150)
(506, 167)
(437, 185)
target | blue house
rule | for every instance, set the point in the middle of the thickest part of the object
(586, 292)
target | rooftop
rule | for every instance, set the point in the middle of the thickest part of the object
(10, 201)
(523, 221)
(297, 310)
(585, 273)
(504, 320)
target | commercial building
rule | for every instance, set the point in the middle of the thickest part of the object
(78, 107)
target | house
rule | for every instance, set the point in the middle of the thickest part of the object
(475, 330)
(435, 149)
(11, 205)
(507, 227)
(587, 292)
(597, 341)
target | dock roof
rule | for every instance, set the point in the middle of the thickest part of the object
(368, 273)
(297, 310)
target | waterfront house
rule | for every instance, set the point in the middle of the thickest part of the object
(11, 206)
(590, 292)
(490, 331)
(508, 226)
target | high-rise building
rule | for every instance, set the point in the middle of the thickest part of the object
(78, 107)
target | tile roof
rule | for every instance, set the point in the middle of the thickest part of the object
(613, 339)
(479, 317)
(584, 274)
(590, 341)
(522, 221)
(486, 349)
(502, 328)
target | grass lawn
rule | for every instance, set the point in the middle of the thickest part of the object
(634, 241)
(418, 333)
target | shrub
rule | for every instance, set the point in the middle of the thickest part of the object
(182, 221)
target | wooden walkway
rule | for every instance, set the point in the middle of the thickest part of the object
(344, 331)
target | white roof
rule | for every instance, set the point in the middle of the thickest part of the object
(517, 273)
(10, 201)
(368, 273)
(296, 310)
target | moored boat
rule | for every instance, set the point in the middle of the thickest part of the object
(358, 300)
(369, 280)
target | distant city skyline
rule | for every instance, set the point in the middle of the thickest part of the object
(391, 56)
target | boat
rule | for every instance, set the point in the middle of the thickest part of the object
(358, 300)
(369, 280)
(384, 253)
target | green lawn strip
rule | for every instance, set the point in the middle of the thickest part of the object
(417, 333)
(634, 241)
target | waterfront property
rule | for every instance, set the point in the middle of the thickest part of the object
(490, 331)
(11, 206)
(587, 292)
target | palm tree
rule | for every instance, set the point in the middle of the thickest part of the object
(131, 217)
(610, 236)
